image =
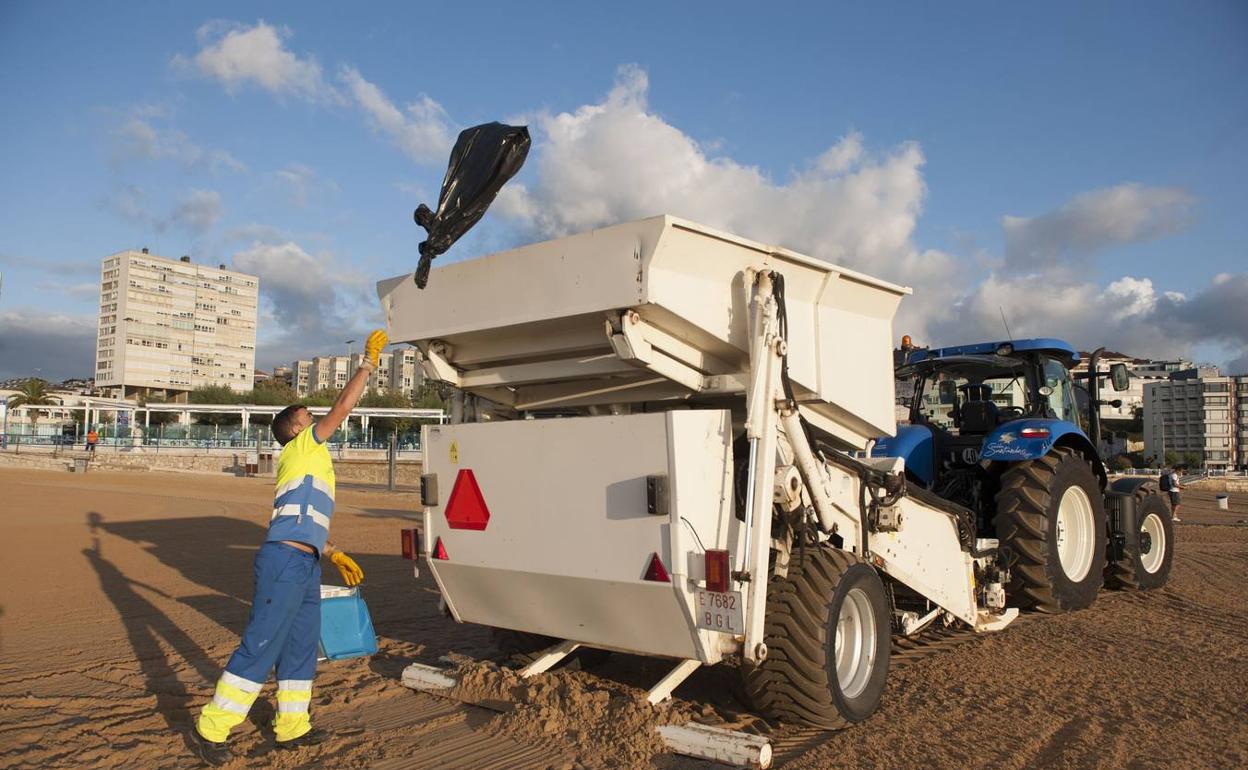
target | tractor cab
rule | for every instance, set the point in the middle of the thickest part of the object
(988, 401)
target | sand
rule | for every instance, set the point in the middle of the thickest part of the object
(122, 596)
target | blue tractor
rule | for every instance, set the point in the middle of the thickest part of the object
(999, 429)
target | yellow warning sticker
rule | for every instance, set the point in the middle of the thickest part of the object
(454, 453)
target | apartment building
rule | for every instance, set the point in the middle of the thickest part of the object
(167, 326)
(1198, 414)
(328, 372)
(1143, 371)
(301, 377)
(399, 371)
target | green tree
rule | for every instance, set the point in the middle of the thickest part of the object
(1194, 460)
(273, 393)
(323, 397)
(33, 393)
(391, 399)
(431, 395)
(214, 394)
(159, 418)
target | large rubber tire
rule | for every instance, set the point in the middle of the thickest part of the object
(1148, 556)
(1028, 504)
(798, 680)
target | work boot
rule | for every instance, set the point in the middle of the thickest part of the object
(313, 737)
(213, 753)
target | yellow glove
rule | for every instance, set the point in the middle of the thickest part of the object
(374, 345)
(352, 575)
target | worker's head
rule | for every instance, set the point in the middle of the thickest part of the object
(290, 422)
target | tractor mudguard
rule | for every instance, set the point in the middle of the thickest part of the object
(913, 443)
(1008, 443)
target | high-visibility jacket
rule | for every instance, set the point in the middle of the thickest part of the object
(304, 501)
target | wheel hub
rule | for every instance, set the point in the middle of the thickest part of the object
(1075, 533)
(854, 648)
(1152, 543)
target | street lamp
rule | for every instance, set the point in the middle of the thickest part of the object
(349, 344)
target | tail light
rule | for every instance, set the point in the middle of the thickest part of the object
(717, 570)
(411, 544)
(439, 550)
(655, 570)
(1034, 433)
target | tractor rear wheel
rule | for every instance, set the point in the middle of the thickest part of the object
(1148, 556)
(828, 642)
(1051, 515)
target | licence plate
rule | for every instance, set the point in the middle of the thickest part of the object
(720, 611)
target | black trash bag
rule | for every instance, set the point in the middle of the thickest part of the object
(484, 158)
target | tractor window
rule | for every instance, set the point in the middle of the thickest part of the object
(941, 394)
(1058, 391)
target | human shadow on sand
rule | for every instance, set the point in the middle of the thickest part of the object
(215, 552)
(147, 626)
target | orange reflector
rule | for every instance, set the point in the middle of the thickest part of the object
(465, 509)
(439, 550)
(656, 571)
(411, 544)
(717, 570)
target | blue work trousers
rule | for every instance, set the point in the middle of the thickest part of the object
(285, 623)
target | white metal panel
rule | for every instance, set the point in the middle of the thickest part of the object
(569, 537)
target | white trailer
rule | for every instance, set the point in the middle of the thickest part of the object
(660, 444)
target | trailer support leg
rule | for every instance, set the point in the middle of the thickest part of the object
(663, 690)
(549, 658)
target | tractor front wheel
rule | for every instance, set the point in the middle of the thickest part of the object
(1051, 516)
(1148, 555)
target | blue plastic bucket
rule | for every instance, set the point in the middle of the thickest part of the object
(346, 628)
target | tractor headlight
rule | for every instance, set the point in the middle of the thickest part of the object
(1005, 349)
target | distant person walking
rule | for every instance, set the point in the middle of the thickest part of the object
(1172, 486)
(93, 438)
(285, 623)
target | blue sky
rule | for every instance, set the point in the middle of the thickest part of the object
(1080, 166)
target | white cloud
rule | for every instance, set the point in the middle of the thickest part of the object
(301, 183)
(196, 210)
(423, 131)
(238, 55)
(58, 345)
(310, 302)
(617, 160)
(139, 139)
(1095, 220)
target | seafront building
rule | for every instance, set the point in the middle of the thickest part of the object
(167, 326)
(1197, 415)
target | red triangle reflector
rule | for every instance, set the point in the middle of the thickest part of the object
(466, 509)
(439, 550)
(656, 571)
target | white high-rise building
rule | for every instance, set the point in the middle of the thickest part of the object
(399, 370)
(168, 326)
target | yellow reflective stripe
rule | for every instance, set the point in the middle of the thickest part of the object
(231, 692)
(294, 696)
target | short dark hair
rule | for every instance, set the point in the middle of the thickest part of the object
(284, 424)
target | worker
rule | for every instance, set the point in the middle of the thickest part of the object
(93, 438)
(284, 627)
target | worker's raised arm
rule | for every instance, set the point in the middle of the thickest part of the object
(350, 395)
